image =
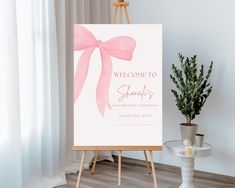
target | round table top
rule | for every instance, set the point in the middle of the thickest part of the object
(176, 147)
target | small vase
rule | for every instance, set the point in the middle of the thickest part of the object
(188, 132)
(199, 138)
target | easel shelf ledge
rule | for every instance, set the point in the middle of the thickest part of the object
(123, 148)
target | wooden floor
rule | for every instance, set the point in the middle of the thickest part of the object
(135, 175)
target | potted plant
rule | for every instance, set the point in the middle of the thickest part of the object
(192, 90)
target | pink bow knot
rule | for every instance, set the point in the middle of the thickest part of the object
(121, 47)
(98, 42)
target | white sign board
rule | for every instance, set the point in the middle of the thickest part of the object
(117, 85)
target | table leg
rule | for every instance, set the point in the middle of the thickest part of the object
(187, 170)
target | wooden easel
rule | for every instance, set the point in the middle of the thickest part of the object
(120, 4)
(84, 149)
(151, 170)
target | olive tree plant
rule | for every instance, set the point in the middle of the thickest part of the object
(192, 86)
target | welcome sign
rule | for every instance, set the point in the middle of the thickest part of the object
(117, 85)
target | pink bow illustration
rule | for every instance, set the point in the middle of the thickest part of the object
(121, 47)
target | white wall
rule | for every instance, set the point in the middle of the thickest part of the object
(205, 28)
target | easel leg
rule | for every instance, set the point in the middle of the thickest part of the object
(115, 14)
(147, 162)
(119, 167)
(81, 168)
(120, 15)
(153, 169)
(94, 162)
(127, 16)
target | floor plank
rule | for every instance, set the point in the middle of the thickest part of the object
(135, 175)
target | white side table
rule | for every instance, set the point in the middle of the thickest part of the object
(176, 147)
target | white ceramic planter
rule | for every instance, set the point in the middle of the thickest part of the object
(188, 132)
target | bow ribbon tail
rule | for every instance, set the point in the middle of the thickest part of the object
(81, 72)
(102, 95)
